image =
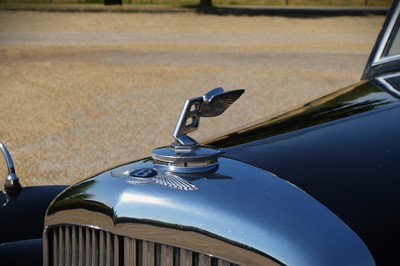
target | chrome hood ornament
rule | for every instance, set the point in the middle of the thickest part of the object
(211, 104)
(185, 155)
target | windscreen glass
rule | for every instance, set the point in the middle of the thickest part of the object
(393, 45)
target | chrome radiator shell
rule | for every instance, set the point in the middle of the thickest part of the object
(238, 214)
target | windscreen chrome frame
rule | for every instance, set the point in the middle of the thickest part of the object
(378, 58)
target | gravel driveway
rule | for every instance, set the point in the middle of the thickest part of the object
(81, 92)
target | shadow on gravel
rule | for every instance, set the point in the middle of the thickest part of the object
(300, 12)
(283, 11)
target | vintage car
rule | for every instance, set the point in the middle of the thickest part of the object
(315, 186)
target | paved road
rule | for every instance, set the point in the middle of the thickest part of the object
(81, 92)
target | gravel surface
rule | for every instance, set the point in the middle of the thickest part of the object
(82, 92)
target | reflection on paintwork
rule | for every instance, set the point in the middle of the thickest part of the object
(343, 151)
(347, 102)
(3, 199)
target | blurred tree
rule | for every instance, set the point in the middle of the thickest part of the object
(206, 3)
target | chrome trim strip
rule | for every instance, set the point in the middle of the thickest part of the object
(387, 85)
(386, 60)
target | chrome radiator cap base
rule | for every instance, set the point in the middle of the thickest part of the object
(189, 160)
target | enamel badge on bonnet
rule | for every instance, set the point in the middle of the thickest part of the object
(186, 155)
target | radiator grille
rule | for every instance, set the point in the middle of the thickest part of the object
(78, 245)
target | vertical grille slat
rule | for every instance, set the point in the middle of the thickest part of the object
(129, 251)
(166, 255)
(102, 249)
(79, 245)
(67, 247)
(147, 253)
(109, 250)
(87, 247)
(186, 257)
(94, 246)
(61, 246)
(224, 263)
(55, 248)
(74, 246)
(116, 251)
(204, 260)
